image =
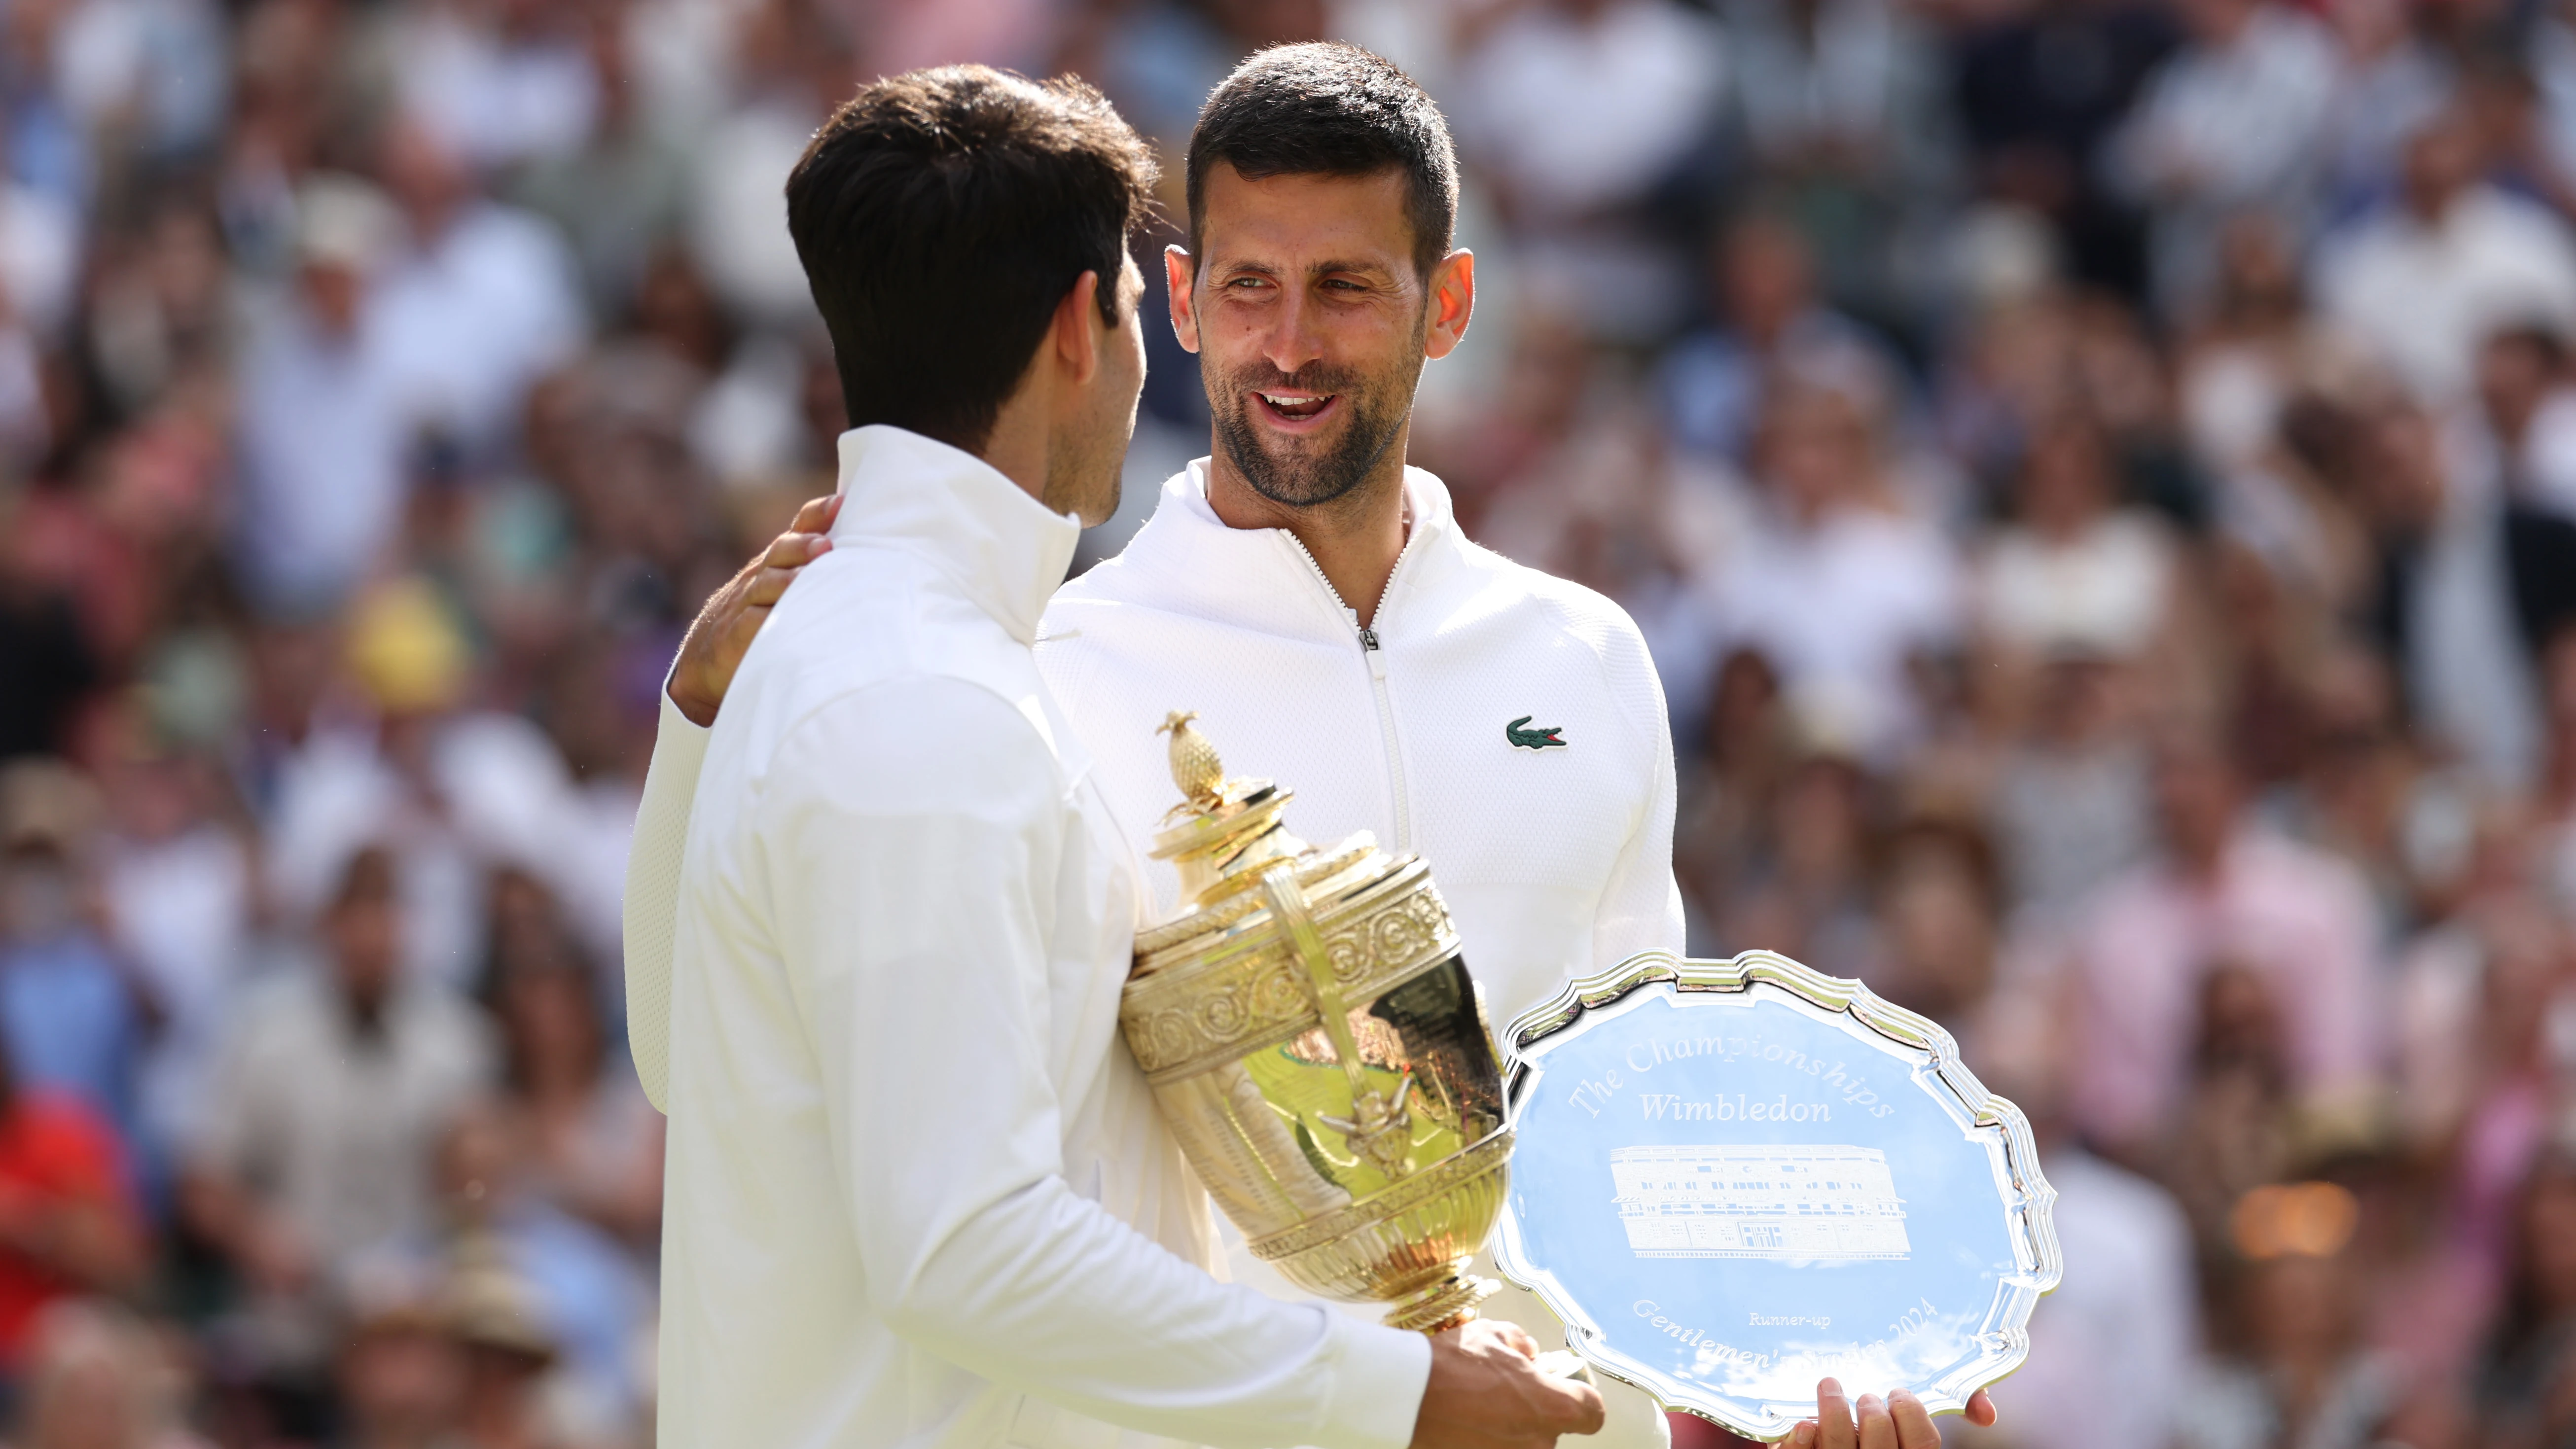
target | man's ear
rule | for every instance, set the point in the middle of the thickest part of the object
(1180, 279)
(1077, 328)
(1453, 301)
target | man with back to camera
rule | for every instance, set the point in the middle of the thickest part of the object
(916, 1194)
(1506, 724)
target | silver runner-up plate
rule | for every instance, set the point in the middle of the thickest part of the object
(1735, 1178)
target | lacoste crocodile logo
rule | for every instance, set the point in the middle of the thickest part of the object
(1537, 739)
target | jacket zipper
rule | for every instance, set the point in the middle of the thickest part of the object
(1377, 681)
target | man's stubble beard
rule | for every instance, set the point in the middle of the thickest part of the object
(1375, 420)
(1086, 479)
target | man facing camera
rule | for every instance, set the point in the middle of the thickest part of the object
(917, 1194)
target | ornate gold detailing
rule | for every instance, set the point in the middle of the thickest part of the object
(1181, 1015)
(1426, 1186)
(1318, 1049)
(1378, 1128)
(1195, 766)
(1154, 941)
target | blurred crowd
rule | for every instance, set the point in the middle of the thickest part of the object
(2098, 477)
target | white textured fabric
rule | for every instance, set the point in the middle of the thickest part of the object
(1554, 861)
(653, 892)
(916, 1193)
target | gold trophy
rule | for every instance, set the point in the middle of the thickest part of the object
(1319, 1049)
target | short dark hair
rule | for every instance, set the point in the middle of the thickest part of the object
(941, 216)
(1324, 108)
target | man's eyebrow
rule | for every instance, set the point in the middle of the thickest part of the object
(1241, 266)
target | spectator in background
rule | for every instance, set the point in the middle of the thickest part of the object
(500, 84)
(477, 301)
(2255, 345)
(621, 194)
(49, 660)
(2231, 120)
(68, 1222)
(2300, 1375)
(1577, 110)
(791, 66)
(1839, 107)
(2527, 1393)
(101, 1380)
(1804, 886)
(1938, 904)
(2389, 82)
(2115, 1344)
(2074, 572)
(2443, 602)
(508, 1352)
(1581, 106)
(324, 425)
(314, 1140)
(400, 1376)
(1830, 582)
(2070, 808)
(1734, 784)
(175, 880)
(2036, 125)
(2490, 1067)
(594, 1144)
(545, 1305)
(2223, 890)
(1769, 320)
(68, 1015)
(2529, 413)
(2425, 277)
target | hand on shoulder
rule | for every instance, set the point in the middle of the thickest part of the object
(723, 631)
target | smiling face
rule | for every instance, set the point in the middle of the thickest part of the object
(1312, 323)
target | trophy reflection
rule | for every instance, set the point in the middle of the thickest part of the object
(1318, 1048)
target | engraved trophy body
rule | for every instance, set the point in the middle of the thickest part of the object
(1318, 1048)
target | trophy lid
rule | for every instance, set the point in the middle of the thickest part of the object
(1223, 837)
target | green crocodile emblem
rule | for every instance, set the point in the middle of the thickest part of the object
(1537, 739)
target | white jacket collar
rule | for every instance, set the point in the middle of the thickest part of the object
(1004, 549)
(1197, 564)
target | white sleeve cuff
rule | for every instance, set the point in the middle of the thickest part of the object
(1379, 1374)
(676, 732)
(651, 906)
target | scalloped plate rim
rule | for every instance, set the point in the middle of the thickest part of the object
(2034, 1234)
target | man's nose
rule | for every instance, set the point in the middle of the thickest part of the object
(1292, 341)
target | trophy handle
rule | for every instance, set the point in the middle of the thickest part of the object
(1381, 1128)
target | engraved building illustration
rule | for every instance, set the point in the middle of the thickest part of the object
(1759, 1202)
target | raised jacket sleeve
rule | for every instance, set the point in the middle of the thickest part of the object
(915, 839)
(652, 902)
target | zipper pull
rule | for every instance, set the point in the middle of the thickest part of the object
(1368, 637)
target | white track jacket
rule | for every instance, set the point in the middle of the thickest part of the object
(1505, 724)
(917, 1193)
